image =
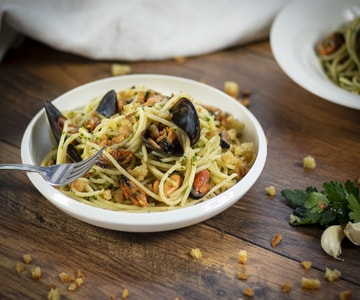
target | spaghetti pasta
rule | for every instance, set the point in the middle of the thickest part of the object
(339, 55)
(134, 176)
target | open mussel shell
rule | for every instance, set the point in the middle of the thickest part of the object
(164, 145)
(55, 118)
(108, 105)
(185, 116)
(56, 122)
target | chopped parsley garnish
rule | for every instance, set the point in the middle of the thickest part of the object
(336, 204)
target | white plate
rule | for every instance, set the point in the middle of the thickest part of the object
(37, 142)
(294, 34)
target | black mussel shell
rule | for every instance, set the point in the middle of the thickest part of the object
(108, 105)
(56, 122)
(55, 118)
(224, 140)
(185, 116)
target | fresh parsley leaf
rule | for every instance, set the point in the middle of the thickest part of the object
(336, 204)
(316, 202)
(354, 206)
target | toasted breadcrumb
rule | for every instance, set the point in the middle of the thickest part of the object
(120, 69)
(80, 274)
(245, 102)
(27, 258)
(286, 288)
(231, 88)
(270, 190)
(332, 275)
(306, 264)
(345, 295)
(309, 162)
(66, 277)
(276, 240)
(249, 292)
(79, 281)
(243, 275)
(19, 267)
(53, 294)
(243, 257)
(180, 59)
(309, 283)
(294, 219)
(36, 273)
(245, 92)
(72, 287)
(125, 293)
(196, 253)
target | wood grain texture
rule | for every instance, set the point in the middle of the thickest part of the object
(158, 265)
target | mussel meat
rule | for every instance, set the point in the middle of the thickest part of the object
(202, 185)
(162, 139)
(131, 192)
(185, 116)
(122, 156)
(56, 122)
(331, 44)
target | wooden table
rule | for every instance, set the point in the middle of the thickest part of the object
(158, 265)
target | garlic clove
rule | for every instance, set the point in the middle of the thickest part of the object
(352, 232)
(331, 240)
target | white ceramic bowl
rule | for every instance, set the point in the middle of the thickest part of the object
(37, 141)
(296, 31)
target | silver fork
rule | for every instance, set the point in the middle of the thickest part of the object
(58, 174)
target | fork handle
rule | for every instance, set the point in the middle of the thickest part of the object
(21, 167)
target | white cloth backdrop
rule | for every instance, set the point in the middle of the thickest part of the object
(136, 29)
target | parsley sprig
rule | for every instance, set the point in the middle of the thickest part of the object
(336, 204)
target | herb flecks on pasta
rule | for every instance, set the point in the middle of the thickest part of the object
(161, 152)
(339, 55)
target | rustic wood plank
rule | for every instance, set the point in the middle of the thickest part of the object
(158, 265)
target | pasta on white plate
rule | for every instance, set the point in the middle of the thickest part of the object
(339, 55)
(161, 152)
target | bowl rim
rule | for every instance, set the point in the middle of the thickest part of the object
(294, 33)
(142, 221)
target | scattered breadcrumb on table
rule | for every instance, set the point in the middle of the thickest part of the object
(196, 253)
(306, 264)
(286, 288)
(180, 59)
(53, 294)
(36, 273)
(345, 295)
(332, 275)
(243, 257)
(120, 69)
(243, 275)
(66, 277)
(276, 240)
(270, 190)
(249, 292)
(125, 294)
(231, 88)
(309, 283)
(72, 286)
(309, 162)
(19, 267)
(27, 258)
